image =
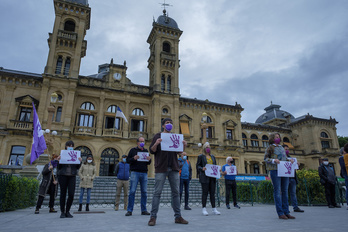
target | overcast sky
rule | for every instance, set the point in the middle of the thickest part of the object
(294, 53)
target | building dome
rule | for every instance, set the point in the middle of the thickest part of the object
(273, 111)
(167, 21)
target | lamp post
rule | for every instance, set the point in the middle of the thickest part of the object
(204, 127)
(51, 110)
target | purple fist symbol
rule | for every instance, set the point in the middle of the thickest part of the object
(73, 155)
(176, 141)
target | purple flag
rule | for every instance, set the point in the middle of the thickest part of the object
(39, 143)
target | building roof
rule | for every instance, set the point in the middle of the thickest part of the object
(167, 21)
(273, 112)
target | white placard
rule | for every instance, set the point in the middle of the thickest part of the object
(69, 157)
(231, 170)
(172, 142)
(295, 164)
(213, 170)
(143, 156)
(286, 169)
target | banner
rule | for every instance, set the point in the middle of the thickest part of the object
(69, 157)
(143, 156)
(39, 143)
(172, 142)
(285, 169)
(213, 170)
(231, 170)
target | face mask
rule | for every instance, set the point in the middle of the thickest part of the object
(326, 162)
(185, 157)
(207, 150)
(287, 152)
(124, 159)
(277, 140)
(54, 163)
(231, 162)
(89, 161)
(169, 127)
(70, 148)
(142, 144)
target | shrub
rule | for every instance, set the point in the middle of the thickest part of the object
(265, 192)
(246, 192)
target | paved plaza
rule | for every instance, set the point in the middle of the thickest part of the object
(249, 218)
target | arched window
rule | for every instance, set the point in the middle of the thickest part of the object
(85, 119)
(137, 124)
(325, 140)
(69, 26)
(245, 140)
(265, 141)
(87, 106)
(59, 65)
(84, 152)
(108, 161)
(254, 140)
(169, 83)
(286, 140)
(166, 47)
(323, 135)
(67, 66)
(163, 82)
(138, 112)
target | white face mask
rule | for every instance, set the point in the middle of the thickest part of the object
(326, 162)
(89, 161)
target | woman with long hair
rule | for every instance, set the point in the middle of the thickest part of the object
(87, 174)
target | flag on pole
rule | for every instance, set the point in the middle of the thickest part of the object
(39, 143)
(120, 114)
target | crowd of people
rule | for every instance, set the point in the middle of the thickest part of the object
(176, 167)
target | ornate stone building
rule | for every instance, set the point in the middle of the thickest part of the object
(86, 107)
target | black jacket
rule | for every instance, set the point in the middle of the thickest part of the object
(62, 169)
(47, 179)
(323, 174)
(201, 162)
(137, 166)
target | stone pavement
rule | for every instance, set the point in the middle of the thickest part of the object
(257, 218)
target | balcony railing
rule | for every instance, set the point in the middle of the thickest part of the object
(83, 130)
(67, 35)
(137, 134)
(231, 142)
(112, 133)
(20, 125)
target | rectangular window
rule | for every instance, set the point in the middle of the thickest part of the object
(110, 123)
(137, 125)
(228, 134)
(86, 120)
(184, 128)
(24, 114)
(17, 155)
(58, 114)
(245, 142)
(325, 144)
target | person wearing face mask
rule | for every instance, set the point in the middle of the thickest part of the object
(292, 184)
(185, 177)
(273, 155)
(49, 184)
(122, 171)
(166, 165)
(328, 179)
(230, 184)
(208, 183)
(87, 174)
(138, 175)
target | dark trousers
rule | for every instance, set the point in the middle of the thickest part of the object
(209, 188)
(51, 191)
(184, 183)
(330, 194)
(66, 183)
(231, 185)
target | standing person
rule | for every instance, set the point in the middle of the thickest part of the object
(67, 182)
(185, 177)
(138, 175)
(87, 174)
(292, 185)
(343, 160)
(230, 184)
(122, 172)
(328, 179)
(208, 183)
(49, 184)
(166, 165)
(273, 155)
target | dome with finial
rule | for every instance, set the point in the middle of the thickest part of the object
(273, 112)
(167, 21)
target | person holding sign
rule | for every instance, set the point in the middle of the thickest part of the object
(273, 155)
(230, 172)
(166, 165)
(67, 180)
(208, 182)
(48, 184)
(87, 174)
(139, 160)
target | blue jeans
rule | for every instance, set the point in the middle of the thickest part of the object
(174, 181)
(82, 191)
(135, 178)
(346, 181)
(280, 193)
(292, 190)
(185, 183)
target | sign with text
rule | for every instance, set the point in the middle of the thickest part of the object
(285, 169)
(69, 157)
(143, 156)
(213, 170)
(231, 170)
(172, 142)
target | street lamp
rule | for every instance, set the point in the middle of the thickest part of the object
(51, 110)
(204, 127)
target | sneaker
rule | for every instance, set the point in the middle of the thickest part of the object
(187, 208)
(116, 208)
(62, 215)
(237, 206)
(68, 215)
(145, 213)
(52, 210)
(215, 211)
(37, 211)
(289, 216)
(129, 213)
(180, 220)
(228, 206)
(152, 221)
(205, 212)
(298, 210)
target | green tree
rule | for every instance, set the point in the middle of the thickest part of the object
(342, 141)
